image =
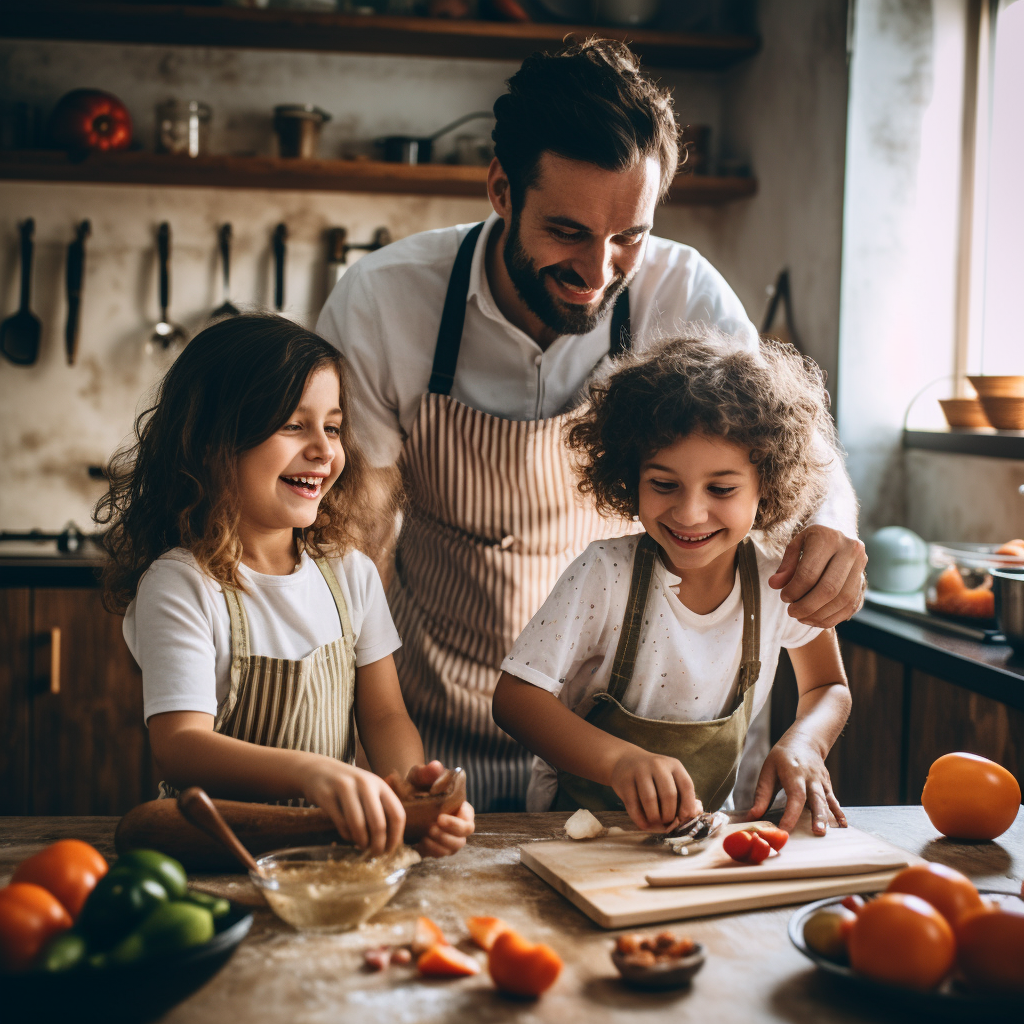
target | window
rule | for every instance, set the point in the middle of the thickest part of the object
(991, 338)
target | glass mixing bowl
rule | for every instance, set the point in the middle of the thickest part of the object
(330, 888)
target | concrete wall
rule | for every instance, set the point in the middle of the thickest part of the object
(784, 111)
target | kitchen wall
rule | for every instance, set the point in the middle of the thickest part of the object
(784, 111)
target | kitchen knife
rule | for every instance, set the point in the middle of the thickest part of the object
(280, 235)
(75, 276)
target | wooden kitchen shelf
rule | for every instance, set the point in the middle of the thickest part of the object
(283, 29)
(306, 175)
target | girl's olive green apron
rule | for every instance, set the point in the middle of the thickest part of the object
(306, 704)
(709, 751)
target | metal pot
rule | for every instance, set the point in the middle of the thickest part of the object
(1008, 585)
(414, 149)
(298, 129)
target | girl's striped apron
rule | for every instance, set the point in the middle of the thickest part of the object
(297, 705)
(493, 517)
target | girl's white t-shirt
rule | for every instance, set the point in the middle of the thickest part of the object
(179, 631)
(687, 664)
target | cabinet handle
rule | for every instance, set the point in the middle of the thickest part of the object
(53, 683)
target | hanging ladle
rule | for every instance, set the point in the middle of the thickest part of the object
(196, 807)
(166, 333)
(227, 307)
(19, 333)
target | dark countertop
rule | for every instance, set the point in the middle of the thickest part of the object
(992, 670)
(753, 974)
(51, 570)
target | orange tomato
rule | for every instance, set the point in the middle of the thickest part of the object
(522, 968)
(970, 797)
(29, 917)
(990, 949)
(484, 930)
(949, 892)
(902, 940)
(68, 868)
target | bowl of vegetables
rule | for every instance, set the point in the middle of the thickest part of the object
(124, 943)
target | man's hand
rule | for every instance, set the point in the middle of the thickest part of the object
(821, 576)
(797, 767)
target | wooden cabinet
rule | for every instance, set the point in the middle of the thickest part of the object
(72, 734)
(902, 720)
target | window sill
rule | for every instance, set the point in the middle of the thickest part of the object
(996, 444)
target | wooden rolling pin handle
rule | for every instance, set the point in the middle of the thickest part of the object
(196, 807)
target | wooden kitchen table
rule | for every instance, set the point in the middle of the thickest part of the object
(752, 972)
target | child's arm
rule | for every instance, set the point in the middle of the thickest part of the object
(363, 807)
(392, 743)
(655, 790)
(797, 762)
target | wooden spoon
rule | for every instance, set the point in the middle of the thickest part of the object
(198, 808)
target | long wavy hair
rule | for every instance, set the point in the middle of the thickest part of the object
(173, 484)
(770, 401)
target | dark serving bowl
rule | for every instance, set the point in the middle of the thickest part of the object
(132, 993)
(950, 999)
(665, 975)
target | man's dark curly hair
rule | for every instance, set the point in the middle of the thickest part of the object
(770, 401)
(589, 102)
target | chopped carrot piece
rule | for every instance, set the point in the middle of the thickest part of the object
(484, 930)
(427, 934)
(522, 968)
(444, 961)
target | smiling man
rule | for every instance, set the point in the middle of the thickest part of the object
(469, 347)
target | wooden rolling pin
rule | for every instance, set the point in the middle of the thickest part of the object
(159, 825)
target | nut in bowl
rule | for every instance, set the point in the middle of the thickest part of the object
(657, 961)
(330, 888)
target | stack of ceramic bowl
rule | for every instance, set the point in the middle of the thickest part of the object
(1002, 398)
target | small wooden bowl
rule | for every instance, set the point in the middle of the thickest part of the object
(664, 975)
(1005, 412)
(994, 386)
(963, 413)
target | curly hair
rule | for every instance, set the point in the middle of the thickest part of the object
(590, 102)
(173, 484)
(771, 401)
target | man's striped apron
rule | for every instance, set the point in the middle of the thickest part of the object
(493, 517)
(306, 704)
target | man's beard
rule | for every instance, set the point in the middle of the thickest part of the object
(561, 317)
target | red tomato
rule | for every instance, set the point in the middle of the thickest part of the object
(854, 903)
(970, 797)
(86, 119)
(29, 917)
(68, 868)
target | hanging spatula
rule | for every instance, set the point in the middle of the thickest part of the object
(75, 276)
(19, 334)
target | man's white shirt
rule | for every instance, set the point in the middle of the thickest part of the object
(385, 312)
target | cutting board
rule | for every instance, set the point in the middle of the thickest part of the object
(607, 877)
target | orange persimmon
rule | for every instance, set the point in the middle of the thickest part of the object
(952, 894)
(29, 917)
(970, 797)
(444, 961)
(426, 935)
(990, 949)
(68, 868)
(522, 968)
(484, 930)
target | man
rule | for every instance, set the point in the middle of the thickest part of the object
(469, 346)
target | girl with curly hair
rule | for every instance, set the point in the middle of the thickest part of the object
(262, 631)
(637, 680)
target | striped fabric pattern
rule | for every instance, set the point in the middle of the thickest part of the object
(493, 518)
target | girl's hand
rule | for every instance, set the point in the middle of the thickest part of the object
(363, 807)
(797, 767)
(449, 833)
(656, 790)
